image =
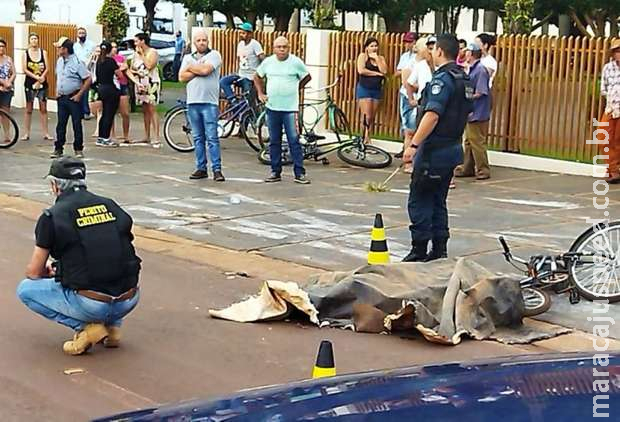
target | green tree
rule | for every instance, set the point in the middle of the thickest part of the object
(518, 16)
(149, 5)
(114, 18)
(323, 14)
(30, 6)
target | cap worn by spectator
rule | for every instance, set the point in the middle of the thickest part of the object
(472, 46)
(431, 40)
(410, 37)
(615, 45)
(246, 26)
(63, 42)
(68, 168)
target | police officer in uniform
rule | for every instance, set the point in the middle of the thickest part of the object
(436, 150)
(93, 283)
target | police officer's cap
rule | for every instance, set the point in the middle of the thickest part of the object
(68, 168)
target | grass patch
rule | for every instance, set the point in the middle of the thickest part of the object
(174, 85)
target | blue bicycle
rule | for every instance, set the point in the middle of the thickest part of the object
(243, 112)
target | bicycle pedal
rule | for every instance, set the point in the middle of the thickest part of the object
(574, 296)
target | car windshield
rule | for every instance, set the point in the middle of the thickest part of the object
(159, 44)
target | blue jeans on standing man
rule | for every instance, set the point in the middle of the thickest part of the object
(49, 299)
(69, 108)
(279, 122)
(203, 118)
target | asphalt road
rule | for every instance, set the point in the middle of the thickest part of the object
(171, 349)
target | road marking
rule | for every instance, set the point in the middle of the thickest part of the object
(528, 234)
(103, 387)
(336, 212)
(174, 179)
(243, 179)
(547, 204)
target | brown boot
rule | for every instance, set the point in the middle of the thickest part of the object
(83, 340)
(114, 337)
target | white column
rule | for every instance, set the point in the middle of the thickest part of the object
(317, 59)
(20, 44)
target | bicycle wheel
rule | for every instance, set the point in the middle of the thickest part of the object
(536, 301)
(178, 132)
(599, 277)
(249, 130)
(265, 158)
(9, 131)
(368, 156)
(340, 125)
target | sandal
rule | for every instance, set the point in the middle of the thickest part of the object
(452, 184)
(48, 138)
(156, 144)
(25, 138)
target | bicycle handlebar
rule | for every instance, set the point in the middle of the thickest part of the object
(325, 88)
(504, 245)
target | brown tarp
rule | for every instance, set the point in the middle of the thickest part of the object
(442, 300)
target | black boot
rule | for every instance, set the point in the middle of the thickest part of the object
(438, 250)
(418, 251)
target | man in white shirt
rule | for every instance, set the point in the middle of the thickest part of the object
(405, 61)
(249, 55)
(84, 49)
(486, 41)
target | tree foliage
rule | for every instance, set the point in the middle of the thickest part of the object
(114, 18)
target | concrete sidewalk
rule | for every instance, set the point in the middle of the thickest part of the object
(324, 225)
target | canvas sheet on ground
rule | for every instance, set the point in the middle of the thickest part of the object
(444, 300)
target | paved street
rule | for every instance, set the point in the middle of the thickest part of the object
(191, 232)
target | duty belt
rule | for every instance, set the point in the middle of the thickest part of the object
(102, 297)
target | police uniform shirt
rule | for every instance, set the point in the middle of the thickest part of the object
(436, 96)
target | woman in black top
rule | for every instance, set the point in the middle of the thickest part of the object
(36, 67)
(107, 87)
(371, 68)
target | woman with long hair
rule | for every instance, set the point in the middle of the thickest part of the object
(7, 76)
(107, 72)
(36, 66)
(371, 69)
(145, 76)
(123, 107)
(94, 102)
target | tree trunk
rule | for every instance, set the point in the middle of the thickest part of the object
(613, 29)
(489, 21)
(474, 20)
(149, 5)
(251, 16)
(455, 13)
(397, 24)
(230, 21)
(438, 24)
(565, 26)
(281, 22)
(30, 7)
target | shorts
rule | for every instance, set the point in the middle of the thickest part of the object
(362, 92)
(5, 98)
(124, 90)
(408, 114)
(39, 94)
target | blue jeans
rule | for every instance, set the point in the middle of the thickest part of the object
(227, 81)
(203, 119)
(84, 105)
(407, 114)
(49, 299)
(68, 108)
(278, 122)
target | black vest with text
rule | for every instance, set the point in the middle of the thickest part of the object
(93, 244)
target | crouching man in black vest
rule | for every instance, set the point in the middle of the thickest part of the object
(93, 282)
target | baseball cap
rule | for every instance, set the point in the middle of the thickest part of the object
(431, 40)
(61, 42)
(472, 46)
(246, 26)
(410, 37)
(68, 168)
(615, 45)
